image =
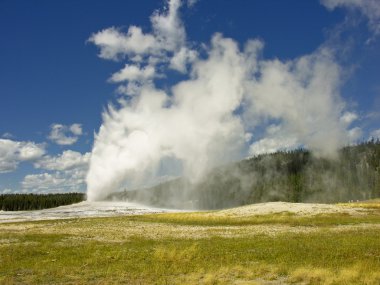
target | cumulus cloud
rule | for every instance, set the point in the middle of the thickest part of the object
(41, 181)
(65, 173)
(168, 28)
(76, 129)
(146, 53)
(60, 181)
(183, 57)
(67, 160)
(369, 8)
(65, 135)
(216, 113)
(14, 152)
(115, 44)
(168, 34)
(133, 73)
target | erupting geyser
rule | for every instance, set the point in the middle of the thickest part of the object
(212, 115)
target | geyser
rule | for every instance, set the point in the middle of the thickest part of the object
(215, 114)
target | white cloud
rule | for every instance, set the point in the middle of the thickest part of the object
(41, 181)
(66, 173)
(6, 191)
(275, 139)
(168, 35)
(14, 152)
(30, 151)
(60, 181)
(114, 44)
(247, 137)
(165, 45)
(76, 129)
(133, 73)
(369, 8)
(168, 28)
(130, 89)
(67, 160)
(183, 57)
(354, 135)
(65, 135)
(348, 117)
(375, 134)
(271, 145)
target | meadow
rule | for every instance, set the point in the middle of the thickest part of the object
(212, 247)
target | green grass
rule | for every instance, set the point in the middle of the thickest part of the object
(139, 250)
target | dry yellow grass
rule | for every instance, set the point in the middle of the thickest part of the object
(195, 248)
(370, 204)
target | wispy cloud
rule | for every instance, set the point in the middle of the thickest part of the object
(191, 3)
(7, 136)
(368, 8)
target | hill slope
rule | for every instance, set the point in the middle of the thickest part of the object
(295, 176)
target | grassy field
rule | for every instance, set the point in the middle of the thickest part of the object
(195, 248)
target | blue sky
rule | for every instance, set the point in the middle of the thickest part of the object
(54, 87)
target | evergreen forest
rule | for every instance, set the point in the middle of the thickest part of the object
(23, 202)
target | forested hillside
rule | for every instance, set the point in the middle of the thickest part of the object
(295, 176)
(21, 202)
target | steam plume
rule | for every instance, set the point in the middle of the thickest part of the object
(216, 114)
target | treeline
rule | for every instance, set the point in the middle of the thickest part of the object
(293, 176)
(22, 202)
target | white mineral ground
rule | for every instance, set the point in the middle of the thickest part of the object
(106, 209)
(285, 207)
(81, 210)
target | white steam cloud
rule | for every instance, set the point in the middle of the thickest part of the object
(233, 103)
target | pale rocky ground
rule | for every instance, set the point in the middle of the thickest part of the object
(113, 208)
